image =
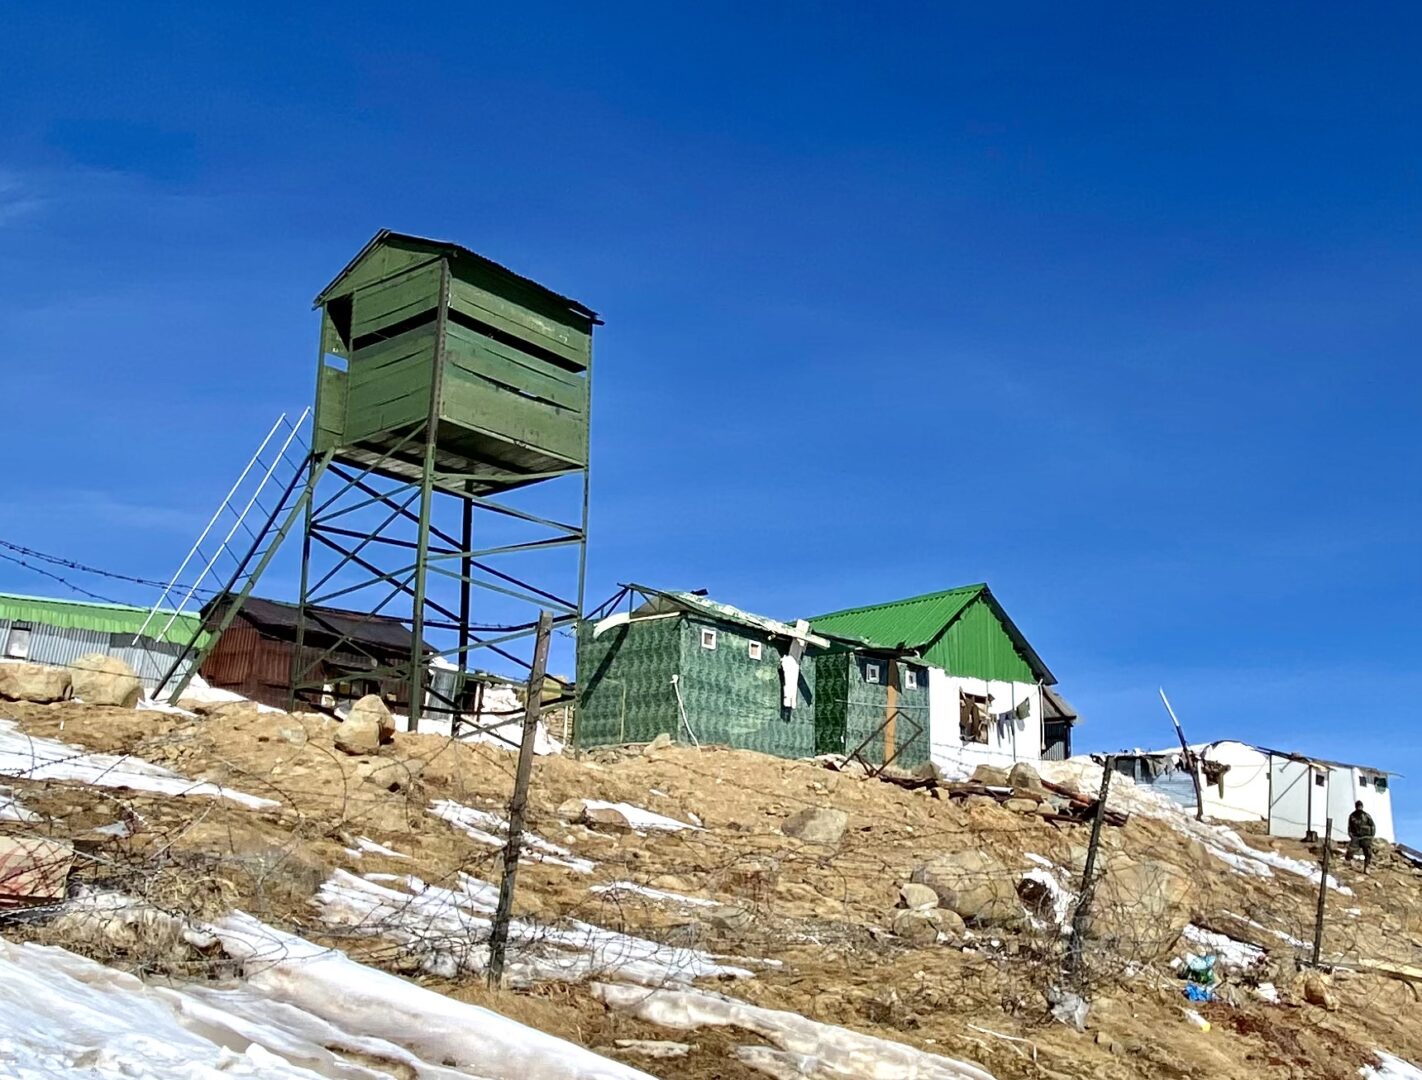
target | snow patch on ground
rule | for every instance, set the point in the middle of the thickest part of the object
(365, 844)
(330, 986)
(11, 809)
(491, 829)
(37, 758)
(1390, 1068)
(616, 889)
(803, 1047)
(1223, 843)
(447, 931)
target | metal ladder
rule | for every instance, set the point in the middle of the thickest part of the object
(252, 520)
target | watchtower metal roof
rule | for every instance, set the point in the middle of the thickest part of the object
(455, 252)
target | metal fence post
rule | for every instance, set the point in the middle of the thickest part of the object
(1082, 918)
(1322, 892)
(499, 934)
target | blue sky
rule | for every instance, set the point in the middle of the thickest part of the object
(1116, 309)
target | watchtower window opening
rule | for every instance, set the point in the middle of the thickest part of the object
(910, 679)
(872, 673)
(708, 639)
(338, 310)
(753, 650)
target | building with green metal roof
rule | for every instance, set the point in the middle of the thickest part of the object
(990, 692)
(700, 671)
(47, 630)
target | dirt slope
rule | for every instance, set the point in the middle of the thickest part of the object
(824, 912)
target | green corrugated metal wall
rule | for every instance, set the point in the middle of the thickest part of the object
(625, 691)
(736, 701)
(850, 708)
(976, 644)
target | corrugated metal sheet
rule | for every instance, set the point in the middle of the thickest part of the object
(964, 631)
(913, 622)
(103, 618)
(62, 647)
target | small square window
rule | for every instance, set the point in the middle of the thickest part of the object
(753, 650)
(1380, 783)
(708, 639)
(871, 673)
(910, 679)
(1363, 781)
(17, 645)
(1320, 779)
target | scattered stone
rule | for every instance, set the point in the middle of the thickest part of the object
(1314, 988)
(730, 917)
(1111, 1046)
(605, 817)
(98, 679)
(661, 742)
(753, 874)
(365, 727)
(817, 825)
(33, 870)
(35, 683)
(990, 775)
(917, 926)
(917, 897)
(1022, 806)
(928, 771)
(571, 809)
(951, 925)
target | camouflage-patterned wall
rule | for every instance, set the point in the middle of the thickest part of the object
(625, 691)
(734, 700)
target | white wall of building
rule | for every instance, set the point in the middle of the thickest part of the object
(1301, 804)
(1008, 743)
(1244, 795)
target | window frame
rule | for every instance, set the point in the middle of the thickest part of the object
(874, 672)
(27, 630)
(910, 679)
(708, 638)
(755, 650)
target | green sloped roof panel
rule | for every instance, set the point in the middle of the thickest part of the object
(914, 622)
(963, 630)
(103, 618)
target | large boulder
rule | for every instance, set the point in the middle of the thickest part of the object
(817, 825)
(1139, 909)
(1024, 778)
(35, 683)
(976, 885)
(365, 727)
(98, 679)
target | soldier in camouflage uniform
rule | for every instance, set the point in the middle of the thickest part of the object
(1361, 831)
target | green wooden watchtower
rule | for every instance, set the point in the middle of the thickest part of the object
(450, 392)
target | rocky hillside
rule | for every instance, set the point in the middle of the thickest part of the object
(681, 912)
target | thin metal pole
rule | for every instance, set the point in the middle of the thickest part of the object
(1322, 893)
(1081, 920)
(466, 569)
(499, 934)
(298, 672)
(1190, 762)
